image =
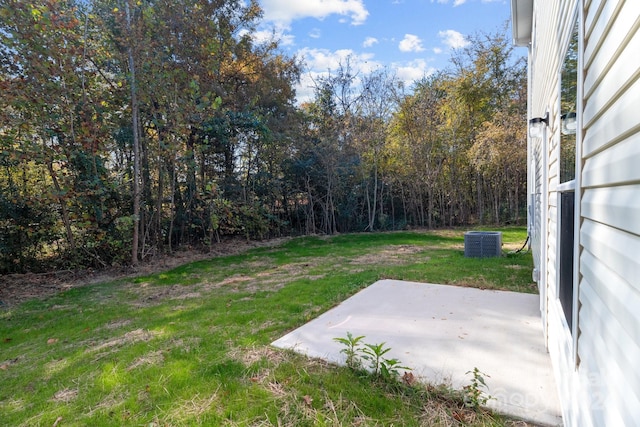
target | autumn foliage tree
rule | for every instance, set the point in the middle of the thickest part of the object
(54, 120)
(131, 129)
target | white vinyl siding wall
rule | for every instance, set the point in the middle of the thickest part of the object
(609, 316)
(597, 372)
(553, 23)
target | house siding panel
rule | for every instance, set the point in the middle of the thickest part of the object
(615, 248)
(615, 166)
(552, 27)
(537, 214)
(596, 367)
(614, 293)
(613, 396)
(559, 350)
(619, 121)
(618, 207)
(598, 22)
(614, 56)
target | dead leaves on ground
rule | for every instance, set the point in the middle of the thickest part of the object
(307, 400)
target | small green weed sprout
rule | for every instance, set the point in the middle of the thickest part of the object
(351, 344)
(356, 353)
(473, 395)
(373, 354)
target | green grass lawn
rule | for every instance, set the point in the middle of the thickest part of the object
(190, 346)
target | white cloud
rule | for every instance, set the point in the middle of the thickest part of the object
(319, 62)
(266, 36)
(369, 41)
(437, 50)
(284, 12)
(411, 71)
(323, 60)
(315, 33)
(411, 43)
(453, 39)
(455, 2)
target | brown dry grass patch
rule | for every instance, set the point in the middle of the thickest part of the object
(66, 395)
(188, 409)
(152, 358)
(253, 355)
(130, 337)
(389, 255)
(110, 402)
(117, 324)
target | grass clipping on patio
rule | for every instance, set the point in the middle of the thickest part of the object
(190, 346)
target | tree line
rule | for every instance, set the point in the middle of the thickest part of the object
(134, 128)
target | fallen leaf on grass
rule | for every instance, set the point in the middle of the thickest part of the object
(52, 340)
(57, 421)
(464, 417)
(307, 399)
(4, 366)
(7, 339)
(408, 378)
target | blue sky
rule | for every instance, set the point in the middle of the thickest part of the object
(414, 38)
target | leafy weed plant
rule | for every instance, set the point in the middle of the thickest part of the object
(475, 393)
(351, 350)
(358, 352)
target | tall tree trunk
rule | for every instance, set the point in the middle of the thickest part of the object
(63, 207)
(429, 208)
(479, 201)
(136, 145)
(159, 200)
(372, 211)
(310, 217)
(175, 207)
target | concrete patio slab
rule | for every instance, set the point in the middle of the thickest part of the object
(442, 332)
